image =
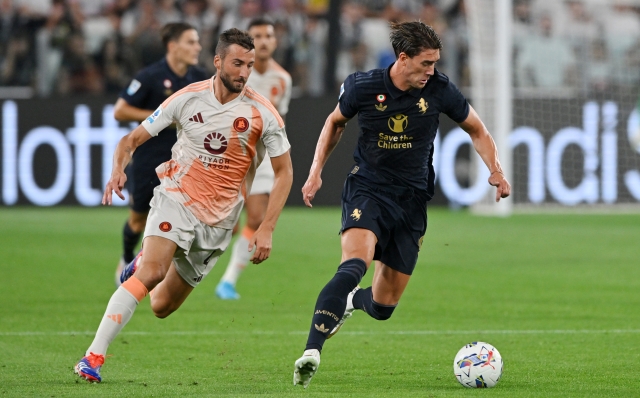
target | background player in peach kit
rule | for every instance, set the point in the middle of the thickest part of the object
(272, 81)
(224, 129)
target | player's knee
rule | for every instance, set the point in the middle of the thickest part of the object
(137, 224)
(254, 219)
(162, 312)
(150, 273)
(381, 312)
(162, 307)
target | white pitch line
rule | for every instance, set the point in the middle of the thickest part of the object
(343, 333)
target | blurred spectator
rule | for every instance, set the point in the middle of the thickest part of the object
(545, 61)
(353, 52)
(79, 74)
(598, 70)
(577, 24)
(205, 17)
(594, 45)
(522, 19)
(456, 44)
(115, 68)
(621, 24)
(140, 27)
(315, 59)
(51, 41)
(167, 12)
(290, 22)
(18, 65)
(240, 16)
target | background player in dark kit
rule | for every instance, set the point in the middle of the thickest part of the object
(384, 200)
(150, 87)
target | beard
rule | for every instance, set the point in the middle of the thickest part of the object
(232, 85)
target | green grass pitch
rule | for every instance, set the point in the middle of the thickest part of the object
(558, 295)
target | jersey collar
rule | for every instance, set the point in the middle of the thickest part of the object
(394, 91)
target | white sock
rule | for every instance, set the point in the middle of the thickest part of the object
(240, 256)
(119, 310)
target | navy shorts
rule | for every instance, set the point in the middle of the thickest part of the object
(141, 180)
(396, 215)
(141, 172)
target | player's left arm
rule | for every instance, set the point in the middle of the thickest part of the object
(262, 238)
(486, 148)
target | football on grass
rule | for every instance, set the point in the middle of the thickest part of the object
(478, 365)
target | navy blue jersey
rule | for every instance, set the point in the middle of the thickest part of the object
(150, 87)
(397, 128)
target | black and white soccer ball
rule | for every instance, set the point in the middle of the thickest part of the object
(478, 365)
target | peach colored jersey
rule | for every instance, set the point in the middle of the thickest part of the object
(274, 84)
(218, 149)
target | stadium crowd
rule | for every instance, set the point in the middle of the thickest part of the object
(61, 47)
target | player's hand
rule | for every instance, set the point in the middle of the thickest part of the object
(115, 184)
(313, 185)
(261, 240)
(498, 180)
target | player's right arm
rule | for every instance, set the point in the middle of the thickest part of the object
(133, 99)
(121, 158)
(123, 112)
(329, 138)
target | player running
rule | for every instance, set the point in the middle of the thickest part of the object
(150, 88)
(224, 129)
(272, 81)
(384, 200)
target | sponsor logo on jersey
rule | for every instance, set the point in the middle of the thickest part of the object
(165, 226)
(380, 107)
(241, 124)
(357, 213)
(152, 118)
(398, 123)
(134, 86)
(423, 105)
(215, 143)
(196, 118)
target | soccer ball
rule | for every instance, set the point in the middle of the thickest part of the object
(478, 365)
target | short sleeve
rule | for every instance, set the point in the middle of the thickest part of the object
(275, 139)
(454, 104)
(347, 98)
(283, 105)
(137, 92)
(162, 117)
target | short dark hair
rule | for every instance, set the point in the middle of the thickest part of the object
(412, 38)
(260, 21)
(173, 31)
(233, 36)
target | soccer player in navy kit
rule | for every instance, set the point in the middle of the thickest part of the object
(150, 88)
(384, 200)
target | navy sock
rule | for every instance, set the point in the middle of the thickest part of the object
(363, 300)
(130, 240)
(332, 301)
